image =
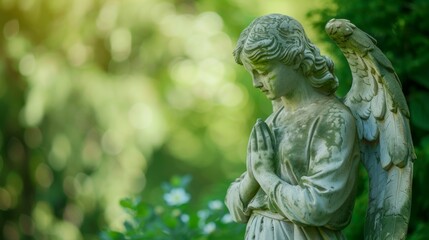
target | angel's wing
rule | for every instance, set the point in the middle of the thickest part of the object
(382, 117)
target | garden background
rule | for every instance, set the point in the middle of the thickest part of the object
(106, 100)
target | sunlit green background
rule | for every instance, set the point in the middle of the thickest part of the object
(101, 100)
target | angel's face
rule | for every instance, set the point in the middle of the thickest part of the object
(273, 78)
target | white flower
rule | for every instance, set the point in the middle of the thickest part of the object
(203, 214)
(227, 218)
(184, 218)
(177, 196)
(215, 205)
(209, 227)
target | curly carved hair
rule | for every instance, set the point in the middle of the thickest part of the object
(281, 37)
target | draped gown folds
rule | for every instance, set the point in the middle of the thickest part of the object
(318, 155)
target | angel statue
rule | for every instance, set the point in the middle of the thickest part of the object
(302, 161)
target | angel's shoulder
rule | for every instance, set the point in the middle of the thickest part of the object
(334, 114)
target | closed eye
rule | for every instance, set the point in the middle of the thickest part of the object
(260, 73)
(263, 73)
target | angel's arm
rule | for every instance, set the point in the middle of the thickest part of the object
(239, 195)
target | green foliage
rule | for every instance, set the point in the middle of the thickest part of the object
(401, 29)
(420, 109)
(174, 219)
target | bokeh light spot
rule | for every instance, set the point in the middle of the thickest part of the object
(34, 109)
(27, 65)
(209, 23)
(11, 28)
(5, 199)
(14, 181)
(73, 214)
(26, 5)
(68, 187)
(44, 176)
(91, 154)
(107, 17)
(78, 54)
(120, 44)
(60, 152)
(183, 72)
(141, 116)
(231, 95)
(110, 143)
(42, 216)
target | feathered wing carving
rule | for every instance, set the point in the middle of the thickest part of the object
(382, 117)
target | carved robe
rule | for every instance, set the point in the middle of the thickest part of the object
(318, 155)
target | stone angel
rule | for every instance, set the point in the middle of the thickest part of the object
(302, 161)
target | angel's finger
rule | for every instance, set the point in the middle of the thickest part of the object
(253, 140)
(262, 145)
(249, 167)
(249, 144)
(269, 139)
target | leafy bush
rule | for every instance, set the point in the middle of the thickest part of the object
(175, 218)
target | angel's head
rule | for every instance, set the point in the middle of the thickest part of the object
(277, 37)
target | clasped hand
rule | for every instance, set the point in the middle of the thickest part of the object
(260, 152)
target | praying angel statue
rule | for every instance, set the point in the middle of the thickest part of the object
(302, 161)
